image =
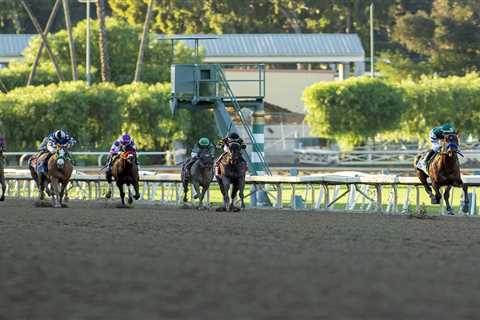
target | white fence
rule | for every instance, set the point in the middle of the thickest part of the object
(374, 157)
(345, 191)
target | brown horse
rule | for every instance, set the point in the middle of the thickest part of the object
(58, 175)
(2, 171)
(232, 171)
(444, 170)
(125, 171)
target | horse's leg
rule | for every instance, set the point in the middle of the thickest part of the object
(202, 195)
(136, 187)
(4, 187)
(241, 194)
(466, 201)
(224, 186)
(438, 195)
(108, 176)
(423, 179)
(233, 196)
(446, 197)
(56, 193)
(41, 186)
(122, 192)
(196, 189)
(130, 197)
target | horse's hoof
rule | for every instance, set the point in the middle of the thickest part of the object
(221, 209)
(435, 201)
(130, 200)
(235, 209)
(465, 208)
(64, 205)
(108, 195)
(185, 206)
(195, 196)
(2, 198)
(137, 196)
(121, 206)
(57, 205)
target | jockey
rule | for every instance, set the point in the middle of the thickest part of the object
(232, 137)
(202, 144)
(125, 143)
(436, 134)
(49, 145)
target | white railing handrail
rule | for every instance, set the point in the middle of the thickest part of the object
(328, 178)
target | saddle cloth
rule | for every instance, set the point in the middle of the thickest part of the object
(422, 164)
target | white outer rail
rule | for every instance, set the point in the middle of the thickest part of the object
(99, 154)
(317, 192)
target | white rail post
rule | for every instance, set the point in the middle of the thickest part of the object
(406, 203)
(327, 196)
(378, 188)
(278, 203)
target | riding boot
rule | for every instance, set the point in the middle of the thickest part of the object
(429, 156)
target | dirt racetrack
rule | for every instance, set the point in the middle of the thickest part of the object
(91, 262)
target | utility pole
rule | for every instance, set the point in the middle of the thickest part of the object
(372, 67)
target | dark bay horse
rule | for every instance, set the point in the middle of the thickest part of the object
(444, 170)
(2, 169)
(59, 172)
(201, 175)
(125, 172)
(232, 170)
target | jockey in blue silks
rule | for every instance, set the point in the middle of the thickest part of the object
(49, 145)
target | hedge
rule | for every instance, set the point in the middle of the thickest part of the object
(96, 115)
(355, 110)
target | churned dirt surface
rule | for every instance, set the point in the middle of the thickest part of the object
(92, 262)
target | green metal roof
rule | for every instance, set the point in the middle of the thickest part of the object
(12, 45)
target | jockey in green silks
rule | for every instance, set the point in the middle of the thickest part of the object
(436, 134)
(201, 145)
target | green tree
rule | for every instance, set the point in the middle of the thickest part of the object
(448, 35)
(123, 47)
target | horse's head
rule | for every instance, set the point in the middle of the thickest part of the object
(61, 156)
(234, 151)
(205, 159)
(128, 156)
(450, 144)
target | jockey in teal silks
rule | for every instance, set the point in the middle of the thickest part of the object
(49, 145)
(436, 134)
(202, 144)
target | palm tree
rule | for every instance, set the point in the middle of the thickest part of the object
(143, 42)
(103, 42)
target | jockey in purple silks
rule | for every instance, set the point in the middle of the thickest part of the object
(123, 143)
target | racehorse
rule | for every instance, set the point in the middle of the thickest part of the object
(232, 169)
(58, 175)
(444, 170)
(2, 171)
(125, 171)
(201, 174)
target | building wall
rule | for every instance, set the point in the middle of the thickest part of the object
(282, 87)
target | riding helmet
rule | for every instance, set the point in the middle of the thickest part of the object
(126, 139)
(448, 128)
(234, 136)
(204, 142)
(60, 135)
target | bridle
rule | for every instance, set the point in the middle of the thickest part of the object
(450, 145)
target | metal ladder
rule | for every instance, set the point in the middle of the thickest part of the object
(237, 108)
